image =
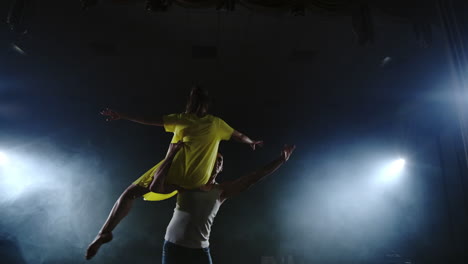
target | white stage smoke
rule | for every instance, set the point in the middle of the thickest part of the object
(46, 195)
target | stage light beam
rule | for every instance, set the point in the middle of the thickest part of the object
(393, 170)
(396, 166)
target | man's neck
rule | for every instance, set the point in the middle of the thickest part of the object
(208, 186)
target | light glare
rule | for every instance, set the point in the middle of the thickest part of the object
(397, 166)
(3, 159)
(393, 169)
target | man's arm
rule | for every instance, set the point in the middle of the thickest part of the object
(238, 136)
(235, 187)
(114, 115)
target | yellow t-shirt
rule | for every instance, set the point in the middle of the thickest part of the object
(193, 164)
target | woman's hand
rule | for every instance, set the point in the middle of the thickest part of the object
(238, 136)
(111, 114)
(254, 144)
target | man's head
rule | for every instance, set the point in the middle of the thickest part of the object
(198, 101)
(218, 168)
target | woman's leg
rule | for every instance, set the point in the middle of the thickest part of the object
(158, 184)
(121, 208)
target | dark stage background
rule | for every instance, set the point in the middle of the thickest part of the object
(274, 76)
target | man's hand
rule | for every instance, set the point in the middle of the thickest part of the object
(287, 151)
(254, 144)
(111, 114)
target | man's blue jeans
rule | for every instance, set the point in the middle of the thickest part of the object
(175, 254)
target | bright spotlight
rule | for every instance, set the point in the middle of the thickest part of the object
(3, 159)
(396, 166)
(393, 169)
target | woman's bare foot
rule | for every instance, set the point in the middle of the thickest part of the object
(100, 239)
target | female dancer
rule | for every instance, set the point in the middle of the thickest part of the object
(191, 167)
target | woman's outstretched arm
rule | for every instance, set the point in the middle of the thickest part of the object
(114, 115)
(238, 136)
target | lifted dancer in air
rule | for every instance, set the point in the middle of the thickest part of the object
(191, 167)
(187, 235)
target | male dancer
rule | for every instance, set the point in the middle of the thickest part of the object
(191, 168)
(187, 235)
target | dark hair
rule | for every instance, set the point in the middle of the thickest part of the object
(198, 101)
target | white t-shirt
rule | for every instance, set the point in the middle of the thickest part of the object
(193, 217)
